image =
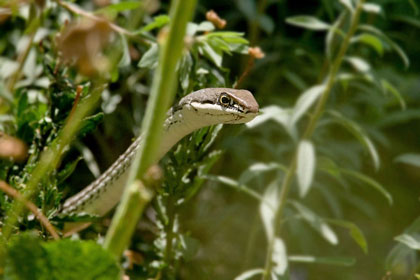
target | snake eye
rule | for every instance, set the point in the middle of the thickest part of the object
(225, 100)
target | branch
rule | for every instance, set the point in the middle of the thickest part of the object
(32, 207)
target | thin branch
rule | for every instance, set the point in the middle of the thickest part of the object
(32, 207)
(76, 10)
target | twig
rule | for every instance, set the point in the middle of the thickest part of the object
(75, 9)
(32, 207)
(79, 90)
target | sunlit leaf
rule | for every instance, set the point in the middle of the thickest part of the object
(358, 63)
(268, 207)
(370, 40)
(249, 274)
(205, 26)
(395, 46)
(387, 86)
(354, 230)
(372, 8)
(305, 101)
(305, 166)
(257, 169)
(316, 222)
(341, 261)
(236, 185)
(411, 240)
(215, 56)
(158, 22)
(368, 181)
(412, 159)
(150, 57)
(279, 257)
(113, 9)
(308, 22)
(348, 4)
(357, 131)
(272, 112)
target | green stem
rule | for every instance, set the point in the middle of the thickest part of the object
(161, 96)
(133, 203)
(310, 128)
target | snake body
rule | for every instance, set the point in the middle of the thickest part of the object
(198, 109)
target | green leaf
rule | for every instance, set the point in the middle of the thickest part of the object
(369, 181)
(234, 184)
(358, 63)
(158, 22)
(205, 26)
(386, 86)
(411, 240)
(340, 261)
(370, 40)
(268, 207)
(214, 55)
(305, 101)
(89, 124)
(30, 258)
(125, 58)
(372, 8)
(316, 222)
(348, 4)
(150, 58)
(67, 170)
(75, 259)
(256, 169)
(272, 112)
(279, 257)
(357, 131)
(412, 159)
(395, 46)
(113, 9)
(355, 232)
(308, 22)
(26, 259)
(305, 166)
(249, 274)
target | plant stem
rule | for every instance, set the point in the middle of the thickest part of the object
(161, 96)
(133, 202)
(310, 128)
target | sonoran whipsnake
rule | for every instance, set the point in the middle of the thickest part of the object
(198, 109)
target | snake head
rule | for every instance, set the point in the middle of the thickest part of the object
(221, 105)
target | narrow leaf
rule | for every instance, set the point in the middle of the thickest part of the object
(348, 4)
(279, 257)
(150, 58)
(372, 8)
(354, 230)
(268, 208)
(308, 22)
(305, 166)
(359, 64)
(370, 40)
(411, 240)
(412, 159)
(370, 182)
(316, 222)
(386, 86)
(342, 261)
(249, 274)
(305, 101)
(357, 131)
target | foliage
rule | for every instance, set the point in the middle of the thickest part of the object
(327, 165)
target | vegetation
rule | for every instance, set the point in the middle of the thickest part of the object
(322, 183)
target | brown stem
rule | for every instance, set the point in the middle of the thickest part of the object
(32, 207)
(75, 9)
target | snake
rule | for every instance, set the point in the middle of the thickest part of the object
(201, 108)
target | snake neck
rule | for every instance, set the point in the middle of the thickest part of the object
(103, 194)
